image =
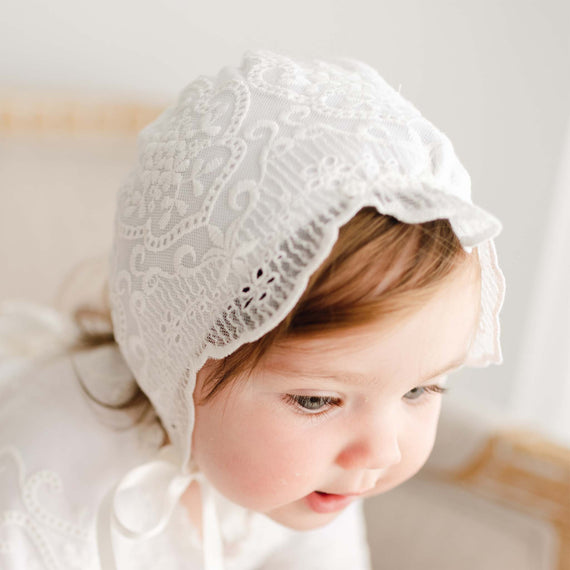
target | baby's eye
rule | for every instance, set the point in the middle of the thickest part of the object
(419, 391)
(312, 404)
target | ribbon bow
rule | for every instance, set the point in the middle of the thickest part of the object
(140, 506)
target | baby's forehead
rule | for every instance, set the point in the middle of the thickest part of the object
(428, 344)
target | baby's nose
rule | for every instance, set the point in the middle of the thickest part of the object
(374, 448)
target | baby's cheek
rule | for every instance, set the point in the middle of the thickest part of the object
(273, 459)
(420, 441)
(253, 459)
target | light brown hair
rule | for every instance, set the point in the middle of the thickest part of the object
(378, 267)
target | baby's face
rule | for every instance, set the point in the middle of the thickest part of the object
(325, 420)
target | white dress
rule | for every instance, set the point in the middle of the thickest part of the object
(61, 453)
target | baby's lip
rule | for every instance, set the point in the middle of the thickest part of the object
(347, 494)
(327, 503)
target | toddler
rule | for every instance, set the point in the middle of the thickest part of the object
(297, 266)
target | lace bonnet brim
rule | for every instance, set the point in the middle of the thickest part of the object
(237, 196)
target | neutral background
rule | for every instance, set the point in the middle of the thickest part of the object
(494, 75)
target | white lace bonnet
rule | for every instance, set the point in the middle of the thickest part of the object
(237, 196)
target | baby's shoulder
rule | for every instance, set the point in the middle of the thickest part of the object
(50, 411)
(57, 398)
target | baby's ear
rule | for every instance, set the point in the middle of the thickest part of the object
(204, 378)
(206, 370)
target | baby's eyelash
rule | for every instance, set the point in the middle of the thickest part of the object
(321, 405)
(312, 405)
(436, 388)
(420, 391)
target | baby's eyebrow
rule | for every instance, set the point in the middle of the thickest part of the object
(358, 378)
(445, 369)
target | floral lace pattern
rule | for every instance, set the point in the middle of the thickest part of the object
(33, 535)
(237, 197)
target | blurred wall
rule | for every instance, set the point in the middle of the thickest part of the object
(493, 74)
